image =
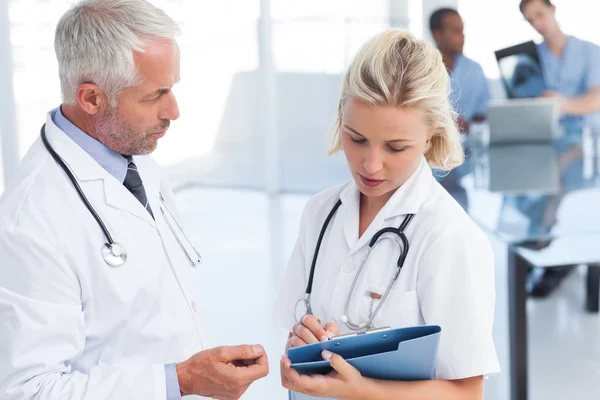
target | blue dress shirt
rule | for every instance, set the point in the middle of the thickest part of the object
(116, 165)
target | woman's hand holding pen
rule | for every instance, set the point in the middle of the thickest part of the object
(309, 330)
(343, 382)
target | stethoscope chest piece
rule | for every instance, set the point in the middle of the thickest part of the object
(114, 254)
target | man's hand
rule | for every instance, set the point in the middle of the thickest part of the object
(223, 373)
(563, 101)
(550, 93)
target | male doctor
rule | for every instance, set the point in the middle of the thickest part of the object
(572, 73)
(73, 325)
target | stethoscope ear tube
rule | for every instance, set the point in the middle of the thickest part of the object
(113, 253)
(383, 232)
(403, 253)
(62, 164)
(318, 247)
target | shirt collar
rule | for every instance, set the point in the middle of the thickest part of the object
(571, 41)
(112, 162)
(407, 199)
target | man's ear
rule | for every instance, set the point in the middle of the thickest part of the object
(91, 99)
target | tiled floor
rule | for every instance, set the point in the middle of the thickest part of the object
(245, 238)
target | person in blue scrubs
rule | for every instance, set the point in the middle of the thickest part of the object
(571, 66)
(571, 69)
(470, 90)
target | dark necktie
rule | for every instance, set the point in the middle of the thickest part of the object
(133, 182)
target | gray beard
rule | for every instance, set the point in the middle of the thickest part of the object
(124, 138)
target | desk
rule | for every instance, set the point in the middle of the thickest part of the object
(543, 201)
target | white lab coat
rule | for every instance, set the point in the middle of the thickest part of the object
(72, 326)
(447, 279)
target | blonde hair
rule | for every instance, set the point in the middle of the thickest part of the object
(394, 68)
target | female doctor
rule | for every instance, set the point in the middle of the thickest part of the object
(394, 125)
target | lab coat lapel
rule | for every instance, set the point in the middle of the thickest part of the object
(351, 223)
(350, 197)
(88, 172)
(119, 197)
(407, 199)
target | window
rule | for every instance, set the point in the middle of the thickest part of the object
(220, 137)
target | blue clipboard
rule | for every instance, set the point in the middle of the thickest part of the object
(404, 354)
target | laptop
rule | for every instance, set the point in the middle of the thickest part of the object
(518, 121)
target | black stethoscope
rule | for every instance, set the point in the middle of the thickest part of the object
(114, 253)
(306, 303)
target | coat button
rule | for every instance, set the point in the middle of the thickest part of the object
(194, 306)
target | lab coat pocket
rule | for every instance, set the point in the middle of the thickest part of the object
(401, 310)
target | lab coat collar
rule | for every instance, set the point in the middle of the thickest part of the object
(86, 170)
(407, 199)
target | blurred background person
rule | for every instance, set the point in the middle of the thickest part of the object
(572, 72)
(470, 90)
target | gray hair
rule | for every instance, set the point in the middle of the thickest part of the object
(95, 41)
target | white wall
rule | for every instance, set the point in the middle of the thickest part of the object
(1, 165)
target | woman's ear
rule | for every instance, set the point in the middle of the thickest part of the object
(427, 143)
